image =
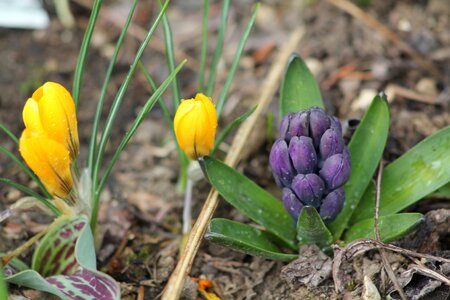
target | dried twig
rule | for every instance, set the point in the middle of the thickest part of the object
(387, 265)
(176, 280)
(370, 21)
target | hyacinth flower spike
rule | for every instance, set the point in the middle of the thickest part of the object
(311, 163)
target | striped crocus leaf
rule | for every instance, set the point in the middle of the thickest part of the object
(64, 264)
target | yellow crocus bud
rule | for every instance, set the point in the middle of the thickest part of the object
(49, 142)
(195, 126)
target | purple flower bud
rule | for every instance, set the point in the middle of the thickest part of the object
(331, 143)
(332, 205)
(336, 170)
(294, 124)
(309, 189)
(318, 123)
(291, 203)
(281, 164)
(335, 124)
(303, 154)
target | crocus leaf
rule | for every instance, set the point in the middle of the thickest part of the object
(67, 281)
(14, 266)
(391, 227)
(252, 200)
(245, 238)
(414, 175)
(299, 89)
(312, 230)
(366, 149)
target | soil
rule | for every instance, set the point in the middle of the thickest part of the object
(141, 208)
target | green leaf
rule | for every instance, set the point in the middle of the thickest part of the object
(414, 175)
(299, 89)
(236, 122)
(391, 227)
(312, 230)
(204, 47)
(366, 149)
(250, 199)
(74, 259)
(3, 289)
(442, 192)
(244, 238)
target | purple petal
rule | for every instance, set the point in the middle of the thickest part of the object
(331, 143)
(294, 124)
(303, 154)
(309, 189)
(318, 123)
(332, 205)
(281, 163)
(336, 170)
(291, 204)
(335, 123)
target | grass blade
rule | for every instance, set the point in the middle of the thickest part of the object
(170, 57)
(31, 193)
(81, 62)
(201, 76)
(141, 116)
(245, 238)
(236, 122)
(3, 289)
(219, 46)
(366, 149)
(237, 57)
(9, 133)
(98, 112)
(27, 171)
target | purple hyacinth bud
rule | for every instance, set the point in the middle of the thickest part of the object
(294, 124)
(332, 205)
(335, 123)
(318, 123)
(303, 155)
(291, 203)
(309, 189)
(281, 163)
(331, 143)
(336, 170)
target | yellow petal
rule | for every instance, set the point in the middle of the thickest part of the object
(195, 126)
(32, 118)
(58, 115)
(49, 160)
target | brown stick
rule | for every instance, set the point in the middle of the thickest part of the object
(387, 265)
(176, 281)
(370, 21)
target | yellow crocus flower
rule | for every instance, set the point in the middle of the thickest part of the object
(49, 142)
(195, 126)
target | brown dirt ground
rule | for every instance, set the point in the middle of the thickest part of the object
(141, 208)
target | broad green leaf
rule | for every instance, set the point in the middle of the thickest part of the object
(391, 227)
(244, 238)
(414, 175)
(80, 282)
(3, 290)
(236, 122)
(442, 192)
(366, 149)
(253, 201)
(312, 230)
(299, 89)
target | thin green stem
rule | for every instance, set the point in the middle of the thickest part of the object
(32, 193)
(201, 76)
(27, 171)
(81, 62)
(226, 86)
(219, 46)
(3, 289)
(98, 113)
(9, 133)
(170, 57)
(113, 113)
